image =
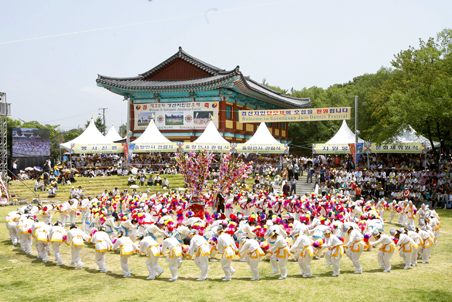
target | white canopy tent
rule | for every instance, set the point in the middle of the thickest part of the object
(339, 143)
(151, 135)
(91, 136)
(113, 135)
(410, 135)
(211, 136)
(210, 140)
(262, 142)
(152, 140)
(343, 136)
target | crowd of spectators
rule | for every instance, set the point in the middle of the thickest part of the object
(390, 176)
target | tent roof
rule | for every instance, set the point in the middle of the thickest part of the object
(113, 135)
(151, 135)
(344, 136)
(410, 135)
(91, 135)
(211, 135)
(262, 136)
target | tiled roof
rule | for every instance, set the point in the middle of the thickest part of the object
(213, 70)
(243, 84)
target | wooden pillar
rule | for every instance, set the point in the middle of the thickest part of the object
(222, 114)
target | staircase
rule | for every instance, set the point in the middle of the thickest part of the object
(303, 187)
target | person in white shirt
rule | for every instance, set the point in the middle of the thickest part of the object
(280, 255)
(150, 248)
(335, 251)
(253, 253)
(304, 250)
(199, 245)
(227, 248)
(128, 248)
(56, 236)
(386, 251)
(171, 245)
(102, 244)
(75, 238)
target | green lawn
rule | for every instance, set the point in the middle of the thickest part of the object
(24, 278)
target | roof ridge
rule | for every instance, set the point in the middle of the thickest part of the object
(181, 54)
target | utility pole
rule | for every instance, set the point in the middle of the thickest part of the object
(103, 118)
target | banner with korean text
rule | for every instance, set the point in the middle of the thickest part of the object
(295, 115)
(330, 149)
(160, 147)
(262, 148)
(96, 148)
(189, 147)
(395, 148)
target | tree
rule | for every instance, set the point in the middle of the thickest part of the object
(418, 94)
(99, 125)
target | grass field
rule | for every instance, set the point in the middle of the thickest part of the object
(25, 278)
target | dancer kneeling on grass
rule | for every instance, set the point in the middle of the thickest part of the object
(335, 251)
(386, 250)
(199, 245)
(151, 249)
(174, 257)
(280, 255)
(102, 245)
(128, 248)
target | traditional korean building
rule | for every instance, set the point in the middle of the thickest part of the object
(183, 93)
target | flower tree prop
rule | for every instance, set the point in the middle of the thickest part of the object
(231, 171)
(194, 166)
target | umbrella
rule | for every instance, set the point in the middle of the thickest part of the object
(28, 169)
(134, 171)
(66, 170)
(134, 187)
(75, 170)
(38, 168)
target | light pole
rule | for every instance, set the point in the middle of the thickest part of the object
(5, 111)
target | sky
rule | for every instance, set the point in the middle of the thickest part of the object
(51, 51)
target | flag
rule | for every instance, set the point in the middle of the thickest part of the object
(211, 117)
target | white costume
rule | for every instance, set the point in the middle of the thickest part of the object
(226, 246)
(174, 257)
(56, 236)
(280, 255)
(334, 254)
(102, 244)
(75, 238)
(385, 252)
(199, 249)
(151, 249)
(253, 254)
(128, 248)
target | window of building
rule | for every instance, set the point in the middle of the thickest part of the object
(238, 114)
(276, 125)
(269, 124)
(228, 112)
(283, 126)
